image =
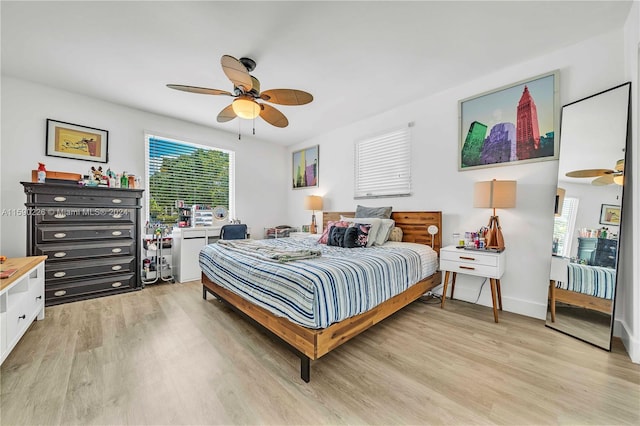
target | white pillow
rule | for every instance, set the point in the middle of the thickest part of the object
(379, 231)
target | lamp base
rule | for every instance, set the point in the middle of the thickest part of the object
(494, 238)
(312, 227)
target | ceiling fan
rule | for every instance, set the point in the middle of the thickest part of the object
(246, 91)
(604, 176)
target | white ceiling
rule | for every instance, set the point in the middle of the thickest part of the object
(357, 58)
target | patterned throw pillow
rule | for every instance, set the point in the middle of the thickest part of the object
(336, 236)
(325, 235)
(396, 234)
(356, 236)
(362, 236)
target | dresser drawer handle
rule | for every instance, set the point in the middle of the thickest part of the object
(60, 293)
(59, 215)
(116, 267)
(467, 258)
(39, 297)
(60, 235)
(116, 215)
(116, 201)
(59, 254)
(467, 267)
(116, 284)
(116, 250)
(116, 233)
(60, 199)
(23, 316)
(59, 274)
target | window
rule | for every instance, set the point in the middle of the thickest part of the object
(563, 227)
(191, 173)
(383, 164)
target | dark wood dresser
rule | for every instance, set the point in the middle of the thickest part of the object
(91, 236)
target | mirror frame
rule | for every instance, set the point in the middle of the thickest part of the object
(558, 268)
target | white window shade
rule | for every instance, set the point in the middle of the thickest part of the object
(383, 165)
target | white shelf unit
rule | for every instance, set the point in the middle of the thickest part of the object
(21, 302)
(187, 243)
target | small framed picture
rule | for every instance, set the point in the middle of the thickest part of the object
(304, 168)
(610, 215)
(69, 140)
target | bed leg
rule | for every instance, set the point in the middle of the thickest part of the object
(204, 292)
(305, 368)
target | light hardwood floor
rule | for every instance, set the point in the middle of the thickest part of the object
(165, 356)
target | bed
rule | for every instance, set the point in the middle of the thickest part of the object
(585, 286)
(308, 339)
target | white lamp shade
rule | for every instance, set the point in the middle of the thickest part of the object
(495, 194)
(245, 107)
(313, 202)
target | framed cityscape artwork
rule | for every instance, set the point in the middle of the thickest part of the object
(513, 124)
(305, 166)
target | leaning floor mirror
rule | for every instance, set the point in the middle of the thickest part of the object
(594, 133)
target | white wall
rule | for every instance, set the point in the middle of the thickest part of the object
(586, 68)
(261, 167)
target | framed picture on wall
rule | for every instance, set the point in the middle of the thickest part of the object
(513, 124)
(69, 140)
(305, 167)
(610, 215)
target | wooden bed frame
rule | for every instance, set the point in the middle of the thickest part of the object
(310, 344)
(576, 299)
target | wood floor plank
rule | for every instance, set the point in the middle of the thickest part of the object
(164, 355)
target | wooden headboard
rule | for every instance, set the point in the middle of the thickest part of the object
(413, 224)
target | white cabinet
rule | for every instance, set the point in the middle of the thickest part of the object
(21, 300)
(187, 243)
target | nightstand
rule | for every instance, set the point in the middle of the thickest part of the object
(486, 264)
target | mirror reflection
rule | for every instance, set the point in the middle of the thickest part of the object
(593, 142)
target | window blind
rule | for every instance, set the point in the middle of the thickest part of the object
(194, 174)
(383, 164)
(563, 227)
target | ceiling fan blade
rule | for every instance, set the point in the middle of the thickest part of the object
(273, 116)
(286, 96)
(589, 173)
(236, 72)
(603, 180)
(202, 90)
(226, 114)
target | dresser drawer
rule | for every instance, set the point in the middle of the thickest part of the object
(48, 233)
(470, 268)
(76, 214)
(60, 252)
(82, 289)
(469, 257)
(106, 199)
(60, 271)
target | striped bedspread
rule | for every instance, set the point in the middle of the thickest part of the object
(592, 280)
(317, 292)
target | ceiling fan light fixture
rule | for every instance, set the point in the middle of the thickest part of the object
(618, 179)
(245, 107)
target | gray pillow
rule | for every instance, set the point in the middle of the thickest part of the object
(379, 212)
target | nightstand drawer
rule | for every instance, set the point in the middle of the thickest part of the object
(469, 257)
(469, 268)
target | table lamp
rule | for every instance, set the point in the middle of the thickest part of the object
(495, 194)
(313, 203)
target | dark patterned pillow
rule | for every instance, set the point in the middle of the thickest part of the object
(362, 234)
(336, 236)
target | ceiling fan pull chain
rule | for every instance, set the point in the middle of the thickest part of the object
(239, 137)
(254, 126)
